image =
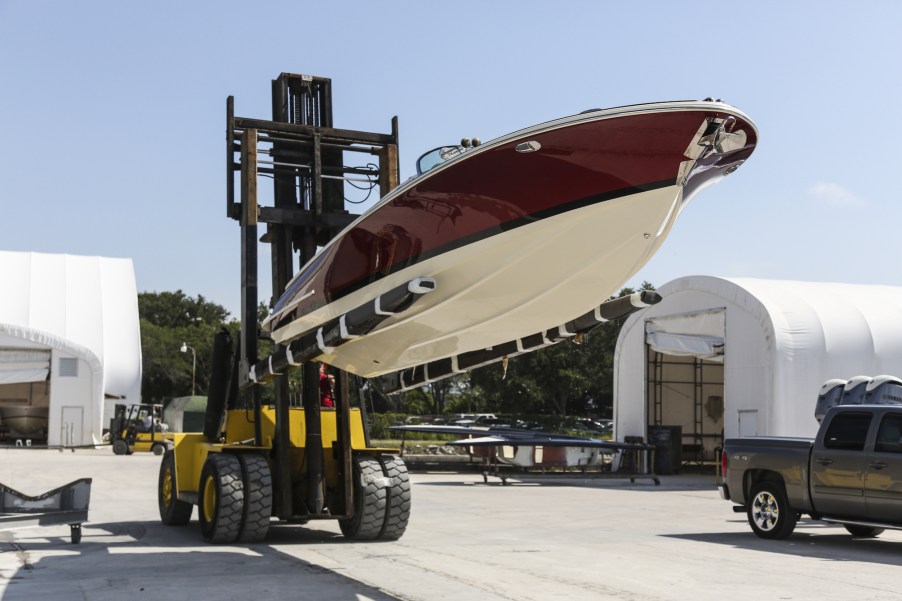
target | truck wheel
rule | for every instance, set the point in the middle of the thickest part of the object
(120, 447)
(257, 509)
(864, 531)
(769, 513)
(172, 511)
(221, 498)
(398, 513)
(369, 501)
(158, 448)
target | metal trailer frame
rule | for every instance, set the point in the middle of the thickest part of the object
(67, 504)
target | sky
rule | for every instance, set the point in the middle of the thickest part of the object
(113, 116)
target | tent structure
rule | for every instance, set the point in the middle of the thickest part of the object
(69, 340)
(743, 357)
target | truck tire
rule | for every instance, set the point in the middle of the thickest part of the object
(768, 510)
(221, 498)
(120, 447)
(158, 448)
(370, 492)
(257, 509)
(863, 531)
(172, 511)
(398, 509)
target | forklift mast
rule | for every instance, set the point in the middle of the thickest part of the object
(304, 154)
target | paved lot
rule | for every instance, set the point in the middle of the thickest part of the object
(538, 540)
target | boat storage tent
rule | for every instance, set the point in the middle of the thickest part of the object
(69, 340)
(744, 357)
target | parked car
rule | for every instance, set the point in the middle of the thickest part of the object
(850, 474)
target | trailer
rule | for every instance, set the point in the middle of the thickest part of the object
(67, 504)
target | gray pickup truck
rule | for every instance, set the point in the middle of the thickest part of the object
(851, 474)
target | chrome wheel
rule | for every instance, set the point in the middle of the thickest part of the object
(769, 512)
(765, 511)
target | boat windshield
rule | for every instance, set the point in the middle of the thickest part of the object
(436, 157)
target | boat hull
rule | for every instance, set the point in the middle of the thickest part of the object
(516, 242)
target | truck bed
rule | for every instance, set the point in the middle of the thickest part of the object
(783, 455)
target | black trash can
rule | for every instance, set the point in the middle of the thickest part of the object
(668, 443)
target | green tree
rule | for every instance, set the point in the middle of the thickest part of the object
(169, 319)
(564, 379)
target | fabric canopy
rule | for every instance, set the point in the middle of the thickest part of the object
(24, 365)
(697, 334)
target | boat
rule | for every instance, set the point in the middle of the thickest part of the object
(502, 240)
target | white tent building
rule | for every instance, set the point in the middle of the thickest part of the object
(69, 339)
(743, 357)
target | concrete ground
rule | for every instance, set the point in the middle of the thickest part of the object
(536, 540)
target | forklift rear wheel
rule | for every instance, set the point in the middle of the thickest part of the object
(221, 498)
(120, 447)
(172, 511)
(369, 501)
(257, 497)
(381, 499)
(398, 510)
(158, 449)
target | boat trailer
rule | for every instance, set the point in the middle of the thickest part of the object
(67, 504)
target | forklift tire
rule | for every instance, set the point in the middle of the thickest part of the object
(370, 492)
(120, 447)
(221, 498)
(398, 510)
(173, 512)
(158, 449)
(257, 509)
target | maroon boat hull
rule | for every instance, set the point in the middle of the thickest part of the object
(584, 161)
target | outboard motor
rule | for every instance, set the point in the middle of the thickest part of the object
(829, 396)
(884, 390)
(853, 392)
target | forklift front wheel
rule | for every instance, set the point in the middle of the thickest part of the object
(120, 447)
(173, 512)
(159, 448)
(221, 498)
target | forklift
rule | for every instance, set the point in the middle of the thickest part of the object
(258, 461)
(137, 428)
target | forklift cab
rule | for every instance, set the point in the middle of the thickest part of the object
(138, 428)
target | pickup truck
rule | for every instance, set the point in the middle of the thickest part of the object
(850, 474)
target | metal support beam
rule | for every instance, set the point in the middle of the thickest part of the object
(343, 443)
(249, 268)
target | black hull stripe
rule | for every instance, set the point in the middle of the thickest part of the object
(484, 234)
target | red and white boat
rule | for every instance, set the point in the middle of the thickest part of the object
(512, 237)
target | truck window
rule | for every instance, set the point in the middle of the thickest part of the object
(889, 435)
(848, 432)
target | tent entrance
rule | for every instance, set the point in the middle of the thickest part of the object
(24, 395)
(685, 382)
(24, 413)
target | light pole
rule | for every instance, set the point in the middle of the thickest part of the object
(184, 349)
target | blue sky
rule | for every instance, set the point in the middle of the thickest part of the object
(114, 116)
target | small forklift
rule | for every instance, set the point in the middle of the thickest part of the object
(137, 428)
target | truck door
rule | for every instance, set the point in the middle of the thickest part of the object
(883, 479)
(838, 466)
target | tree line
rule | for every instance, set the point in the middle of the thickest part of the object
(564, 379)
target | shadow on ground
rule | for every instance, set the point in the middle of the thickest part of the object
(810, 539)
(129, 560)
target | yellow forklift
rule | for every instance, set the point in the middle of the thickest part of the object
(137, 428)
(256, 462)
